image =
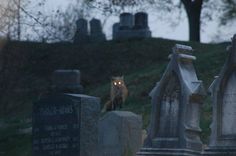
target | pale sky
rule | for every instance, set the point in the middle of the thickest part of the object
(210, 32)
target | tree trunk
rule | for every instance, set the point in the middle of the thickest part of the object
(193, 9)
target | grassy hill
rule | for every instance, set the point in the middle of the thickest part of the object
(26, 68)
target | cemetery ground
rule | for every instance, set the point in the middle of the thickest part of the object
(26, 69)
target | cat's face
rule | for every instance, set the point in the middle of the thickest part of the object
(117, 81)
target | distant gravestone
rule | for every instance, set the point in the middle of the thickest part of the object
(96, 34)
(115, 30)
(65, 124)
(81, 35)
(141, 20)
(126, 21)
(120, 134)
(176, 101)
(129, 29)
(223, 92)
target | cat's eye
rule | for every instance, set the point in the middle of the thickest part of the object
(115, 83)
(119, 82)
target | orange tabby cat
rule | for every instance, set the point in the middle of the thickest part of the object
(118, 94)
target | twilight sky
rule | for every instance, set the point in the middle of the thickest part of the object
(210, 32)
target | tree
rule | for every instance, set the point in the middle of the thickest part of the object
(193, 9)
(228, 11)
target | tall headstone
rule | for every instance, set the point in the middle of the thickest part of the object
(120, 134)
(65, 124)
(223, 93)
(176, 101)
(126, 21)
(115, 30)
(96, 34)
(141, 20)
(81, 35)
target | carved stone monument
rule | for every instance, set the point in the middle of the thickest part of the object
(132, 28)
(96, 34)
(120, 134)
(223, 93)
(176, 101)
(65, 124)
(82, 34)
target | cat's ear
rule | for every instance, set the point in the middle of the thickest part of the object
(113, 78)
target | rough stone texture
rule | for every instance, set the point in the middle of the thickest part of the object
(96, 34)
(65, 125)
(120, 134)
(67, 81)
(223, 91)
(176, 101)
(126, 21)
(81, 35)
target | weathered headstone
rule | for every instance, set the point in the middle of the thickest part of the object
(96, 34)
(176, 101)
(126, 21)
(81, 35)
(115, 30)
(65, 124)
(223, 93)
(141, 20)
(120, 134)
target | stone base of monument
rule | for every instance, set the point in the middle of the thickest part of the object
(219, 152)
(133, 33)
(167, 152)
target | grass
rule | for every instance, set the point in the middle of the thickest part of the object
(28, 68)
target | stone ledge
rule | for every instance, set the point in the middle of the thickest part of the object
(167, 152)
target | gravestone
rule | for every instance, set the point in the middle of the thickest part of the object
(141, 20)
(223, 93)
(176, 101)
(81, 35)
(127, 30)
(120, 134)
(115, 30)
(65, 124)
(126, 21)
(141, 29)
(96, 34)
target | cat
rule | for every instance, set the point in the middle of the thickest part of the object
(118, 94)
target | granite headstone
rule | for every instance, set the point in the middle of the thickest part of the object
(81, 34)
(65, 124)
(120, 134)
(96, 34)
